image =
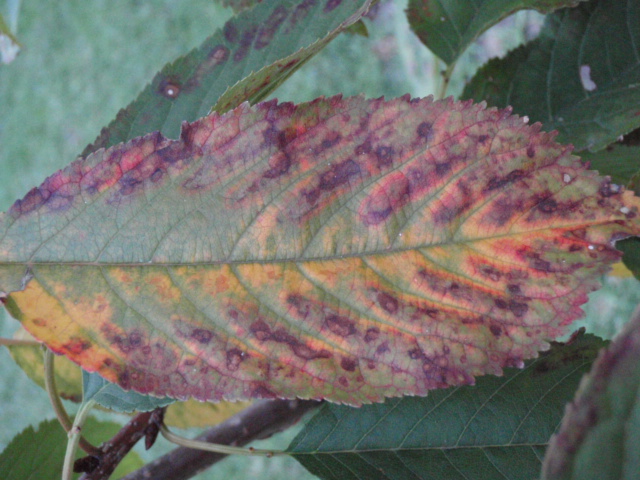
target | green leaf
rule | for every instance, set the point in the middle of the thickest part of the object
(245, 61)
(581, 76)
(496, 429)
(621, 162)
(115, 398)
(346, 249)
(39, 454)
(448, 28)
(9, 46)
(600, 434)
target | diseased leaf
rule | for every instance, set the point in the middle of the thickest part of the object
(254, 52)
(497, 429)
(581, 76)
(345, 249)
(30, 359)
(448, 28)
(600, 436)
(240, 5)
(39, 454)
(111, 396)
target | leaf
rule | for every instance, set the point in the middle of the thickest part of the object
(345, 249)
(253, 53)
(618, 161)
(192, 414)
(9, 46)
(496, 429)
(448, 28)
(599, 437)
(39, 454)
(69, 376)
(581, 75)
(111, 396)
(29, 358)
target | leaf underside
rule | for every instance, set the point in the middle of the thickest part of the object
(345, 249)
(580, 76)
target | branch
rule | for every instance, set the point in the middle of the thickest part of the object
(145, 424)
(259, 421)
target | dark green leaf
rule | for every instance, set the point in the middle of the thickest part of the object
(497, 429)
(252, 54)
(113, 397)
(39, 454)
(600, 434)
(581, 76)
(631, 259)
(618, 161)
(448, 28)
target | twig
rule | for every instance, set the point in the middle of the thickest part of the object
(58, 408)
(215, 447)
(145, 424)
(13, 342)
(259, 421)
(74, 437)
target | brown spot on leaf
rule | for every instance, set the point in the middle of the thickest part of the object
(519, 309)
(548, 206)
(496, 330)
(235, 356)
(425, 131)
(230, 32)
(260, 330)
(383, 348)
(384, 155)
(371, 335)
(531, 151)
(270, 27)
(349, 364)
(299, 348)
(483, 138)
(244, 45)
(388, 302)
(331, 5)
(340, 325)
(338, 174)
(363, 148)
(499, 182)
(169, 88)
(387, 198)
(76, 346)
(260, 390)
(201, 335)
(491, 273)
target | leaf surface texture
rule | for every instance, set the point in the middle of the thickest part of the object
(345, 249)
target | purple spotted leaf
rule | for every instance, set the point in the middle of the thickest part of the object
(245, 61)
(345, 249)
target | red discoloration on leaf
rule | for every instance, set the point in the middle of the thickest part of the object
(346, 249)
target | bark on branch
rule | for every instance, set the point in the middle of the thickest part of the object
(259, 421)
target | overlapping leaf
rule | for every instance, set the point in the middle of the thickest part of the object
(342, 249)
(581, 76)
(498, 429)
(39, 454)
(245, 61)
(599, 438)
(448, 28)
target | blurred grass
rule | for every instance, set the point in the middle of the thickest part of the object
(84, 60)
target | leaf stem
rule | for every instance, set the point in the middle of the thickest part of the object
(215, 447)
(58, 407)
(446, 77)
(12, 342)
(74, 439)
